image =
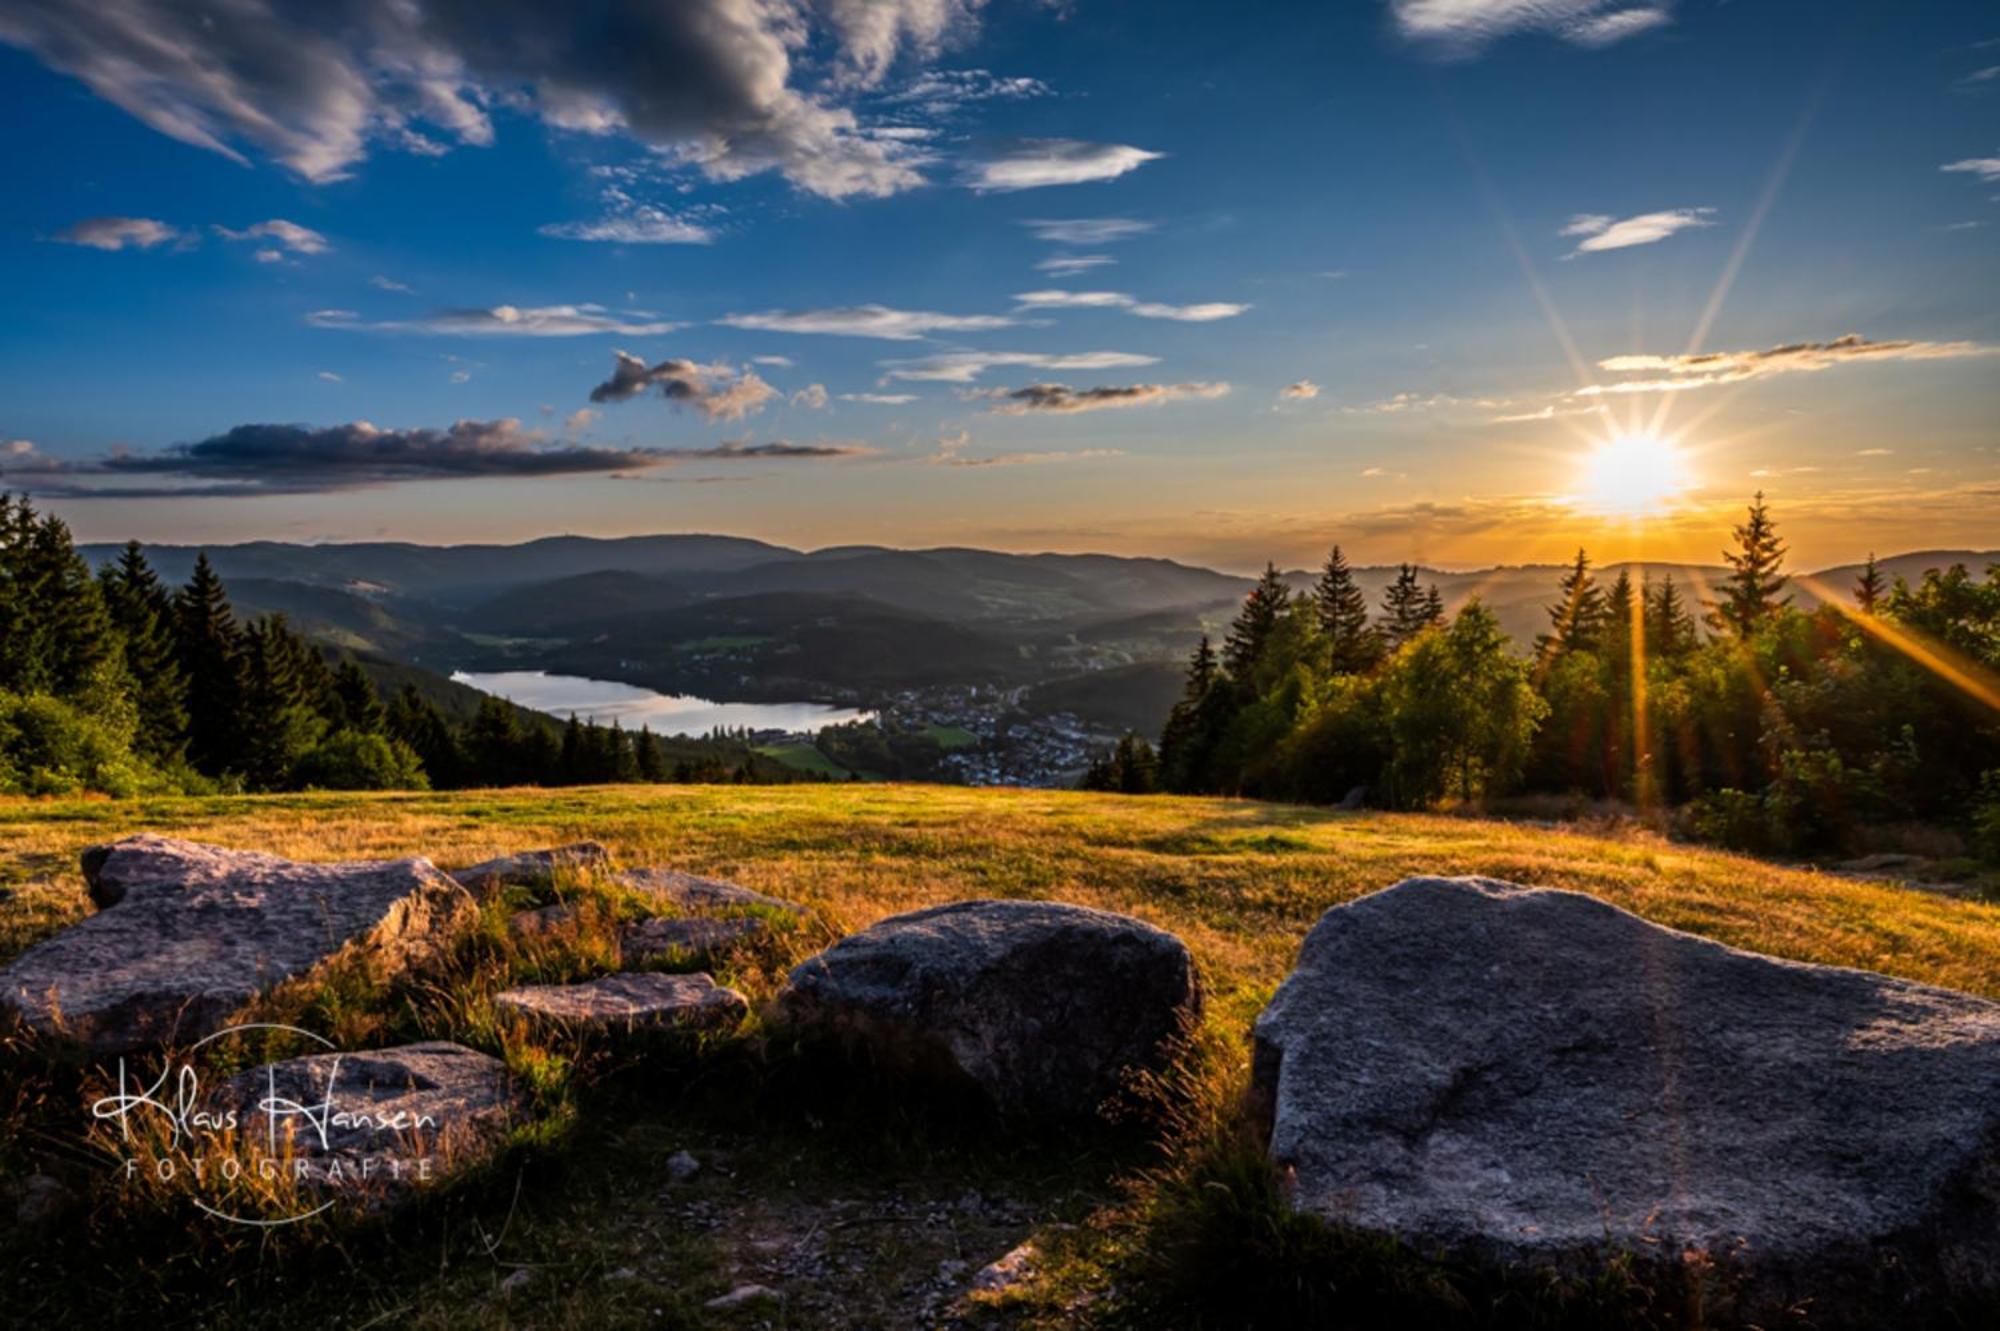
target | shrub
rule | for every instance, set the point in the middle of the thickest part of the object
(50, 747)
(359, 760)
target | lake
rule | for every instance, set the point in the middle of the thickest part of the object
(603, 701)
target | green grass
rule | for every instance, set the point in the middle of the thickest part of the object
(950, 737)
(805, 758)
(850, 1197)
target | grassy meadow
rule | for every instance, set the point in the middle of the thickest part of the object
(860, 1204)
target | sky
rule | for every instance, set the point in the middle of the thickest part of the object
(1458, 281)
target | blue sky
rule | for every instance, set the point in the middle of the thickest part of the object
(1314, 313)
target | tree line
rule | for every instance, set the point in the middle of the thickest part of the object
(1762, 725)
(112, 681)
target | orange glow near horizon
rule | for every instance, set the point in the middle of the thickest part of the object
(1633, 475)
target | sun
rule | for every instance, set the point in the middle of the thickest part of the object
(1633, 476)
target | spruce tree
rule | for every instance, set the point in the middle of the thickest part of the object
(142, 609)
(279, 721)
(1870, 586)
(1433, 606)
(1623, 607)
(1670, 632)
(1351, 644)
(1255, 622)
(571, 760)
(209, 646)
(416, 721)
(1756, 574)
(1576, 617)
(649, 762)
(360, 707)
(1406, 609)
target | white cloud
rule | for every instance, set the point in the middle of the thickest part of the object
(117, 233)
(812, 397)
(298, 239)
(1600, 232)
(1465, 26)
(866, 321)
(1303, 391)
(1986, 168)
(942, 92)
(381, 283)
(1119, 300)
(635, 226)
(331, 377)
(1708, 368)
(1065, 265)
(777, 362)
(962, 367)
(502, 321)
(880, 399)
(1037, 163)
(717, 391)
(1086, 230)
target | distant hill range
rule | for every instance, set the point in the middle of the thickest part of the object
(729, 617)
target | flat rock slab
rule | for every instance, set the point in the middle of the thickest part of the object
(542, 923)
(630, 1001)
(532, 868)
(434, 1102)
(1044, 1006)
(695, 938)
(189, 935)
(696, 893)
(1529, 1076)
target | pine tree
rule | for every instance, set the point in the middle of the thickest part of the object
(209, 646)
(416, 721)
(360, 707)
(1623, 607)
(1670, 632)
(571, 760)
(1351, 644)
(1750, 594)
(1187, 741)
(279, 721)
(1870, 587)
(1407, 609)
(142, 609)
(1433, 606)
(1576, 618)
(1255, 622)
(491, 743)
(56, 636)
(650, 763)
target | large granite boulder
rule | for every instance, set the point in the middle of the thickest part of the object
(1044, 1006)
(188, 935)
(629, 1001)
(533, 868)
(400, 1118)
(1524, 1076)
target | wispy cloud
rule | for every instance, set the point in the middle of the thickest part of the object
(951, 453)
(1986, 168)
(635, 226)
(1464, 27)
(866, 321)
(717, 391)
(943, 92)
(504, 321)
(880, 399)
(1119, 300)
(1086, 230)
(962, 367)
(1303, 391)
(118, 233)
(1061, 398)
(1708, 368)
(1038, 163)
(1601, 232)
(1065, 265)
(289, 235)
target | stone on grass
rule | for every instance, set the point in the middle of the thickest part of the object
(189, 935)
(696, 939)
(742, 1295)
(1045, 1007)
(1008, 1271)
(533, 868)
(1531, 1077)
(398, 1108)
(627, 1001)
(692, 892)
(546, 922)
(682, 1166)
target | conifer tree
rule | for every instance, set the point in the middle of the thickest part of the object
(1670, 632)
(1756, 574)
(1870, 587)
(279, 721)
(416, 721)
(648, 761)
(360, 706)
(1351, 645)
(491, 741)
(1433, 607)
(571, 759)
(209, 646)
(1255, 622)
(1406, 609)
(1623, 607)
(142, 609)
(1577, 616)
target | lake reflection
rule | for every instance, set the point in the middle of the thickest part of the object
(602, 701)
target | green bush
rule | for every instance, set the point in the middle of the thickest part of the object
(50, 747)
(360, 760)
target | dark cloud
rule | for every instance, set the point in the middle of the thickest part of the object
(317, 84)
(1062, 398)
(719, 392)
(114, 233)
